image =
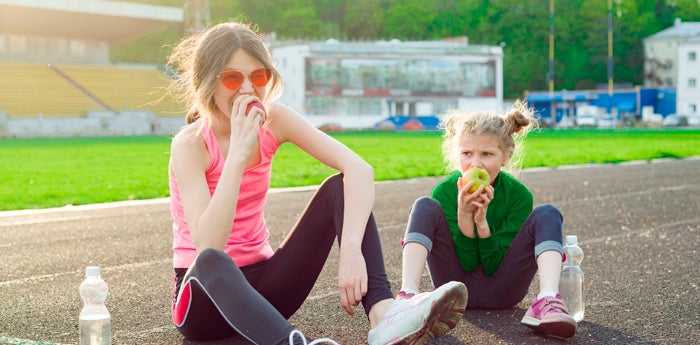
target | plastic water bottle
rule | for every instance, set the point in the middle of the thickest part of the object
(571, 281)
(95, 325)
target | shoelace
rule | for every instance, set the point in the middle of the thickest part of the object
(305, 342)
(554, 304)
(404, 295)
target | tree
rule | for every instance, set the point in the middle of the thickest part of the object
(524, 28)
(688, 10)
(631, 25)
(580, 31)
(288, 18)
(363, 19)
(453, 18)
(329, 12)
(407, 20)
(572, 58)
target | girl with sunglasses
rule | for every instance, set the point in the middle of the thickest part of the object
(491, 238)
(228, 279)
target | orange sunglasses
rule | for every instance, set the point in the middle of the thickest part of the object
(233, 79)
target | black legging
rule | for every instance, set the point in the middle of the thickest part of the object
(221, 300)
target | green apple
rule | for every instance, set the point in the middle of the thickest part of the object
(479, 176)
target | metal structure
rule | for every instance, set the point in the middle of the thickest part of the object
(197, 15)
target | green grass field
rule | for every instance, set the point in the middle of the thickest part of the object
(42, 173)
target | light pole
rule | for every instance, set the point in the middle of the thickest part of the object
(550, 75)
(610, 49)
(197, 14)
(610, 57)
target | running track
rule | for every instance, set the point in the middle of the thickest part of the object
(638, 224)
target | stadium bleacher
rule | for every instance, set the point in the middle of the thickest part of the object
(57, 77)
(125, 88)
(32, 89)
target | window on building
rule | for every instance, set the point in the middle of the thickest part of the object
(693, 108)
(691, 83)
(691, 56)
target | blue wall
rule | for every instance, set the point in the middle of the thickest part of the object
(429, 122)
(663, 100)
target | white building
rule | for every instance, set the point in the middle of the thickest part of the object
(688, 88)
(661, 53)
(672, 59)
(357, 84)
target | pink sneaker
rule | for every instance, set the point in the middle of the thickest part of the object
(548, 315)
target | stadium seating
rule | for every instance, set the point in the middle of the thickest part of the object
(126, 88)
(30, 89)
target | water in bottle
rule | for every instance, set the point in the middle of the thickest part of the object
(571, 281)
(95, 327)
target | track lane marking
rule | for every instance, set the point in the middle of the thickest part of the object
(105, 269)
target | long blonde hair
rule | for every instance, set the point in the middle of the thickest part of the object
(199, 58)
(510, 127)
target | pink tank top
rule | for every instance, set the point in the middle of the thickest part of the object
(248, 241)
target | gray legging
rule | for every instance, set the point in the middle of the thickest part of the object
(221, 300)
(542, 231)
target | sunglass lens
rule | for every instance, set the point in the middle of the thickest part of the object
(260, 77)
(232, 79)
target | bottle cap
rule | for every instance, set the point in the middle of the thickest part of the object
(92, 271)
(571, 239)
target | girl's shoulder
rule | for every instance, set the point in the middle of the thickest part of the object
(447, 184)
(509, 179)
(189, 142)
(512, 184)
(189, 134)
(279, 121)
(286, 122)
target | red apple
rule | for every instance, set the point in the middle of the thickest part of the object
(479, 176)
(255, 104)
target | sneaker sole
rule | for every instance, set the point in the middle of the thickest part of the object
(445, 313)
(555, 328)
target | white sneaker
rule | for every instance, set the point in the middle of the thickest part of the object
(421, 318)
(305, 342)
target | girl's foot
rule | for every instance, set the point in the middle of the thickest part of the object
(423, 317)
(549, 315)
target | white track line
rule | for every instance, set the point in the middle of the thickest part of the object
(78, 272)
(16, 341)
(623, 195)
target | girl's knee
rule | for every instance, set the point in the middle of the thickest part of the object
(332, 186)
(210, 257)
(334, 181)
(425, 202)
(547, 212)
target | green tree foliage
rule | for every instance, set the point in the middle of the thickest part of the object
(289, 19)
(408, 20)
(522, 27)
(453, 18)
(363, 19)
(689, 10)
(328, 13)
